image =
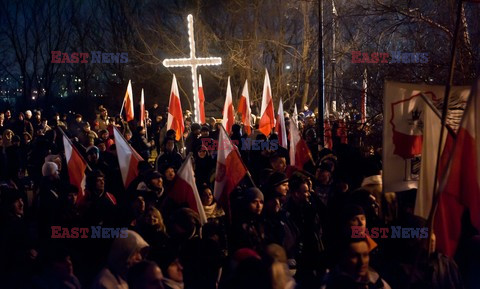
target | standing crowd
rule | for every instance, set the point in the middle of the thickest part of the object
(281, 228)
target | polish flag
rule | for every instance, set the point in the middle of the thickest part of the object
(460, 180)
(245, 110)
(128, 102)
(175, 114)
(76, 167)
(230, 169)
(128, 158)
(267, 119)
(201, 100)
(184, 190)
(142, 110)
(299, 152)
(280, 128)
(228, 114)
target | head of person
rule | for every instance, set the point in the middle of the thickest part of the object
(126, 252)
(170, 144)
(93, 153)
(154, 218)
(86, 127)
(103, 134)
(171, 267)
(96, 183)
(78, 118)
(299, 189)
(184, 224)
(278, 163)
(202, 152)
(27, 137)
(57, 261)
(12, 202)
(355, 258)
(277, 182)
(169, 173)
(323, 175)
(145, 275)
(196, 129)
(154, 180)
(28, 114)
(206, 195)
(204, 131)
(103, 112)
(50, 171)
(354, 215)
(254, 201)
(72, 195)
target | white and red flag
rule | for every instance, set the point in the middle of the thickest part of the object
(245, 110)
(230, 169)
(267, 114)
(228, 114)
(128, 158)
(460, 179)
(299, 152)
(201, 100)
(76, 167)
(280, 127)
(175, 114)
(184, 190)
(128, 102)
(142, 111)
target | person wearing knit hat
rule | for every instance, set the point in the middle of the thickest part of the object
(254, 200)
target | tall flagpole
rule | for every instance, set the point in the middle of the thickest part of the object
(321, 89)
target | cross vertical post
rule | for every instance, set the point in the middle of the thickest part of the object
(193, 62)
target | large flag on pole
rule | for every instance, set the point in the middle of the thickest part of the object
(128, 102)
(230, 169)
(175, 114)
(280, 127)
(364, 98)
(76, 167)
(142, 110)
(267, 114)
(184, 190)
(245, 110)
(460, 181)
(228, 114)
(201, 100)
(299, 152)
(128, 158)
(295, 115)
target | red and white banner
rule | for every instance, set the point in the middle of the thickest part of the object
(128, 102)
(142, 111)
(267, 114)
(280, 127)
(403, 116)
(230, 169)
(228, 114)
(76, 167)
(175, 114)
(201, 100)
(128, 158)
(184, 190)
(299, 152)
(460, 179)
(245, 110)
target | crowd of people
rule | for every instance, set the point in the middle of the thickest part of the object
(280, 229)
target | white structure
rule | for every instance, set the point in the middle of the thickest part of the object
(193, 62)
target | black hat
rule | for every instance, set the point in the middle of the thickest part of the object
(152, 175)
(252, 194)
(276, 178)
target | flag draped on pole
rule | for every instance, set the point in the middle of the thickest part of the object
(184, 189)
(267, 114)
(299, 152)
(230, 169)
(128, 158)
(460, 180)
(76, 167)
(245, 110)
(201, 100)
(280, 127)
(175, 114)
(128, 102)
(295, 115)
(228, 114)
(142, 111)
(364, 98)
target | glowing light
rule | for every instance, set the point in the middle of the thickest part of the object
(193, 62)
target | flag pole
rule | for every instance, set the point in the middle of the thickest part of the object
(74, 147)
(444, 119)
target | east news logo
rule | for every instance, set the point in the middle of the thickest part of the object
(82, 57)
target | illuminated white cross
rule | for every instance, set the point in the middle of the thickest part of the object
(193, 62)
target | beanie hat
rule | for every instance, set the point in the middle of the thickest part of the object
(252, 194)
(277, 178)
(152, 175)
(93, 150)
(351, 210)
(49, 169)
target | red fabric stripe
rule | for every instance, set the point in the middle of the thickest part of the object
(267, 121)
(175, 110)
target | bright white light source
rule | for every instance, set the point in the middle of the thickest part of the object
(287, 66)
(192, 62)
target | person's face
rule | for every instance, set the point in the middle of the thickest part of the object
(93, 157)
(158, 118)
(282, 189)
(170, 145)
(323, 176)
(104, 113)
(256, 206)
(102, 147)
(153, 279)
(8, 114)
(273, 205)
(175, 271)
(204, 133)
(202, 153)
(100, 184)
(207, 197)
(139, 205)
(135, 258)
(128, 136)
(279, 165)
(18, 207)
(157, 183)
(72, 198)
(26, 138)
(303, 193)
(152, 219)
(86, 128)
(358, 220)
(9, 135)
(357, 259)
(170, 174)
(63, 268)
(104, 135)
